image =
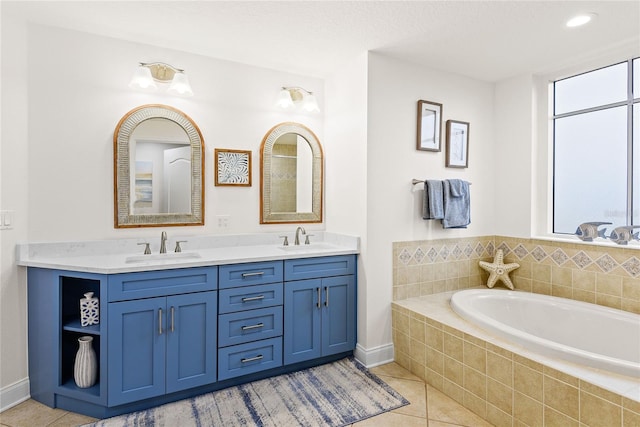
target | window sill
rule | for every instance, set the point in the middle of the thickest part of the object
(563, 238)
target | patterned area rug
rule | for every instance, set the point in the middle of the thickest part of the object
(335, 394)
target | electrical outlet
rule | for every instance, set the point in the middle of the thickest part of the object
(223, 221)
(6, 220)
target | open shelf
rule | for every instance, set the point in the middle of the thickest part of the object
(74, 325)
(71, 386)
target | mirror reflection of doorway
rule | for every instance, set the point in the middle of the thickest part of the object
(177, 166)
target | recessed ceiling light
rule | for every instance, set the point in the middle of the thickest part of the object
(580, 20)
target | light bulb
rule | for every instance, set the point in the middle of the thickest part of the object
(180, 85)
(284, 99)
(580, 20)
(310, 104)
(142, 79)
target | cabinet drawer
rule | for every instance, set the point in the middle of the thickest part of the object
(128, 286)
(311, 268)
(248, 358)
(254, 273)
(250, 297)
(252, 325)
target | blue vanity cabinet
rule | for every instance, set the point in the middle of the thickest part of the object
(165, 335)
(250, 323)
(320, 307)
(161, 344)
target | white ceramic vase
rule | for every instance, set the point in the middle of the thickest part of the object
(89, 310)
(85, 369)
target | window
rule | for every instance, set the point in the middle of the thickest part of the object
(596, 132)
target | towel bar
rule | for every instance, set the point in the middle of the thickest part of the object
(420, 181)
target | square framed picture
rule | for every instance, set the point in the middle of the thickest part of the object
(457, 144)
(429, 126)
(233, 167)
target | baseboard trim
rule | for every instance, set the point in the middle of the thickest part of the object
(14, 394)
(374, 356)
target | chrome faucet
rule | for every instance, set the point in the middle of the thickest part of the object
(163, 242)
(298, 230)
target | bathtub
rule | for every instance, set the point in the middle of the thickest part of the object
(575, 331)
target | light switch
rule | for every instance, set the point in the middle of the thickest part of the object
(6, 220)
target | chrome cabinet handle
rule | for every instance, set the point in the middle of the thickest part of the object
(252, 359)
(246, 328)
(319, 298)
(258, 273)
(172, 318)
(159, 321)
(247, 299)
(326, 296)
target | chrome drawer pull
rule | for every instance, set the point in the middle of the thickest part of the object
(247, 299)
(259, 325)
(258, 273)
(252, 359)
(173, 314)
(159, 321)
(326, 293)
(319, 298)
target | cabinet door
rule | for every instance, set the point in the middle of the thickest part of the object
(338, 315)
(191, 340)
(136, 352)
(302, 320)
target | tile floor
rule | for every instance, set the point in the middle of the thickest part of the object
(428, 408)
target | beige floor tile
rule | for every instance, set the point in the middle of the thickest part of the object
(393, 419)
(414, 391)
(72, 420)
(29, 414)
(434, 423)
(441, 407)
(394, 370)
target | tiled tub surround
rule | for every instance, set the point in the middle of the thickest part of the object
(502, 382)
(604, 275)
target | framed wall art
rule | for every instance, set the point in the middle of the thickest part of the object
(233, 167)
(429, 126)
(457, 144)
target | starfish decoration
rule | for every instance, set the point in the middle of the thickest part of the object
(499, 270)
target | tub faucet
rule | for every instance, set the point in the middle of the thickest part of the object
(163, 242)
(298, 230)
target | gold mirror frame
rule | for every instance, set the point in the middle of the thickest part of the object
(267, 216)
(123, 218)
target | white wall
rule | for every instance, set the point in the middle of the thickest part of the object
(346, 180)
(393, 205)
(13, 196)
(514, 154)
(63, 94)
(73, 117)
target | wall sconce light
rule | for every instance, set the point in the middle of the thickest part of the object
(147, 74)
(296, 96)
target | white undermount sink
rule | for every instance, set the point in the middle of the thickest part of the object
(307, 248)
(169, 256)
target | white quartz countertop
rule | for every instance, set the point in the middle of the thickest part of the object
(126, 255)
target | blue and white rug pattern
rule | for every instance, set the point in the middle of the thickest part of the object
(335, 394)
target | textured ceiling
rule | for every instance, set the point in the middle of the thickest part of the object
(487, 40)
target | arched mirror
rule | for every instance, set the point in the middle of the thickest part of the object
(291, 175)
(158, 169)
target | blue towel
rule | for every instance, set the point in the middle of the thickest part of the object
(433, 202)
(457, 204)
